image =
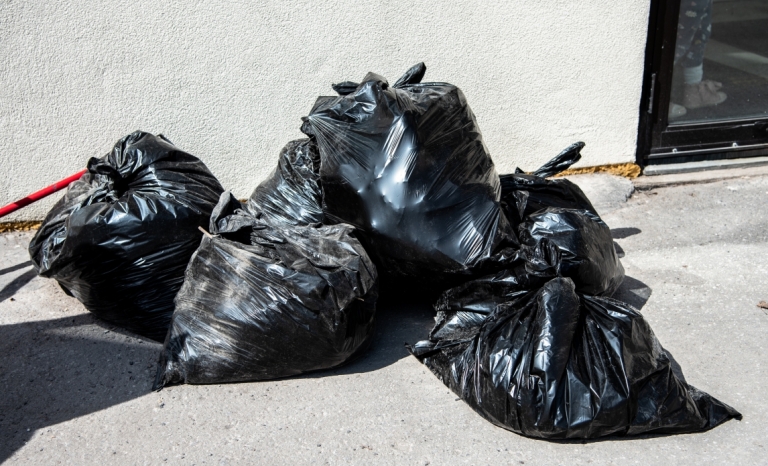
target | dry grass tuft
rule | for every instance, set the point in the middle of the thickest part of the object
(627, 170)
(6, 227)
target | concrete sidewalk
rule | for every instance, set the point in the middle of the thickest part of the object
(77, 391)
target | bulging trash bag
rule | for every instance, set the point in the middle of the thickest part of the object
(553, 364)
(524, 194)
(261, 302)
(588, 256)
(120, 238)
(559, 211)
(292, 194)
(406, 164)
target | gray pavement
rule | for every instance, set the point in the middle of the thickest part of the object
(606, 192)
(77, 391)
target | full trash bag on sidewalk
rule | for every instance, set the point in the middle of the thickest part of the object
(406, 164)
(292, 194)
(550, 363)
(558, 210)
(261, 302)
(121, 237)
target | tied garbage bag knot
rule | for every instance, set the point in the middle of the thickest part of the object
(557, 210)
(524, 194)
(587, 254)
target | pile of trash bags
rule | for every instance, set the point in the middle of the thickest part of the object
(394, 184)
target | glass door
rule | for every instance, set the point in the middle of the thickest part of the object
(706, 85)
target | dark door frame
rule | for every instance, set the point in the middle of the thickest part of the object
(657, 142)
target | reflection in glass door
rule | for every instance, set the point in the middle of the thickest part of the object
(721, 61)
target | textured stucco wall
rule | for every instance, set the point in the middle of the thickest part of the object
(229, 80)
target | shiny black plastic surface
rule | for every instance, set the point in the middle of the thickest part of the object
(558, 210)
(407, 165)
(561, 161)
(523, 194)
(120, 238)
(550, 363)
(586, 247)
(292, 194)
(262, 301)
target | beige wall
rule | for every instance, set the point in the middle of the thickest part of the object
(229, 81)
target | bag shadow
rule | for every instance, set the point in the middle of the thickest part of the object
(60, 369)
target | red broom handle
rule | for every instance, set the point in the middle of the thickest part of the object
(36, 196)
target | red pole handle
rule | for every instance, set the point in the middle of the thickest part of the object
(36, 196)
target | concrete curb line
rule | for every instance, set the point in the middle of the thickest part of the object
(647, 183)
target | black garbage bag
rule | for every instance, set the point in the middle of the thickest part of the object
(558, 210)
(588, 256)
(292, 194)
(528, 268)
(524, 194)
(120, 238)
(406, 164)
(261, 302)
(553, 364)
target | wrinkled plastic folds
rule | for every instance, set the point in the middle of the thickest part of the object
(261, 302)
(533, 349)
(120, 238)
(406, 164)
(292, 194)
(557, 210)
(588, 256)
(550, 363)
(524, 194)
(393, 180)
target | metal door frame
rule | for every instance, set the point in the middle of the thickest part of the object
(657, 141)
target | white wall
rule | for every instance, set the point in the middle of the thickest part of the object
(229, 81)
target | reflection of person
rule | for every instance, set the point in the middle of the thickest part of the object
(693, 30)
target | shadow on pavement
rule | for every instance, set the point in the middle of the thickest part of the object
(56, 370)
(633, 292)
(13, 268)
(637, 293)
(16, 284)
(397, 323)
(621, 233)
